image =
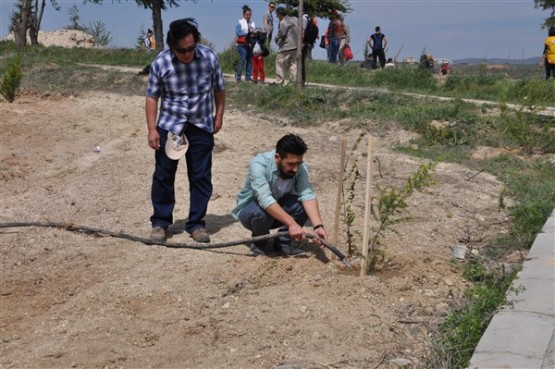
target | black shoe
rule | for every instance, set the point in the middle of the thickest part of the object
(290, 250)
(255, 249)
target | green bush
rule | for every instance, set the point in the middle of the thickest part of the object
(12, 79)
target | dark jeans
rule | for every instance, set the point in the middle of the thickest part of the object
(549, 70)
(305, 51)
(199, 173)
(379, 54)
(259, 222)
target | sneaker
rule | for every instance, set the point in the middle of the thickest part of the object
(158, 234)
(255, 249)
(200, 235)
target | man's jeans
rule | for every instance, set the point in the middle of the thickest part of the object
(259, 222)
(244, 57)
(199, 173)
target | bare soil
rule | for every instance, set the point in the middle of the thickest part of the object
(75, 300)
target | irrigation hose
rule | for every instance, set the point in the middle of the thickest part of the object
(177, 245)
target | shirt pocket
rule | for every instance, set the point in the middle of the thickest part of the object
(202, 84)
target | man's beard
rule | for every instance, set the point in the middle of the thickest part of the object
(283, 174)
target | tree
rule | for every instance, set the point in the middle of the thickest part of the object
(74, 18)
(157, 27)
(545, 5)
(318, 8)
(28, 16)
(19, 23)
(156, 6)
(35, 19)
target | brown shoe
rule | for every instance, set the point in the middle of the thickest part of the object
(158, 234)
(201, 235)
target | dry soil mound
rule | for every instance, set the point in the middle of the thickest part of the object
(63, 38)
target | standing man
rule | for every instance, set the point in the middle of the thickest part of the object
(188, 80)
(268, 24)
(286, 40)
(378, 43)
(277, 193)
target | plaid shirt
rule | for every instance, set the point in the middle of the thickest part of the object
(187, 90)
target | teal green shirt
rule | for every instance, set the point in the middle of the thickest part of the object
(262, 175)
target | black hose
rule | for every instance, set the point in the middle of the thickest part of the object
(178, 245)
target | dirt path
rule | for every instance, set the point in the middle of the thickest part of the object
(74, 300)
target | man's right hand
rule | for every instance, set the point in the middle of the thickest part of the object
(296, 232)
(154, 139)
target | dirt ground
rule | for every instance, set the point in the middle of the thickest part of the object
(76, 300)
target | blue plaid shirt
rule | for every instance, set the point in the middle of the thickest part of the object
(187, 90)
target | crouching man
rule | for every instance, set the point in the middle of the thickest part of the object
(278, 194)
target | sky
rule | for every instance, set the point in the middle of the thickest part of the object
(452, 29)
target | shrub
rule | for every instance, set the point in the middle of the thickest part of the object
(12, 79)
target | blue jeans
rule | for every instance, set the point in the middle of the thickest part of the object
(199, 173)
(244, 57)
(259, 222)
(333, 49)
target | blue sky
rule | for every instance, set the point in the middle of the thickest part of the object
(452, 29)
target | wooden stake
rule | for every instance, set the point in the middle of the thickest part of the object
(364, 261)
(339, 192)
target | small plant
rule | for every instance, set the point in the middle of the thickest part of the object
(349, 213)
(391, 208)
(12, 79)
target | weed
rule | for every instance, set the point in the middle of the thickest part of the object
(464, 326)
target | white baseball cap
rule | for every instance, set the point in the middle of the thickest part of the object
(176, 146)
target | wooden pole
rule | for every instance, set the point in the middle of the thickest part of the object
(339, 191)
(300, 47)
(364, 261)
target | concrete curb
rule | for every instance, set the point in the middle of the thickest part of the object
(522, 336)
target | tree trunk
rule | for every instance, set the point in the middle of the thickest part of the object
(35, 21)
(157, 24)
(22, 24)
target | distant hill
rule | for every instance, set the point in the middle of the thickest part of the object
(474, 61)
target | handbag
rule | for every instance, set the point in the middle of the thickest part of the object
(323, 42)
(347, 52)
(242, 40)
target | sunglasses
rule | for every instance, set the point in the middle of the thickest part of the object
(185, 50)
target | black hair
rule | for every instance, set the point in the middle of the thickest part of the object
(377, 28)
(551, 31)
(246, 8)
(290, 144)
(180, 28)
(281, 11)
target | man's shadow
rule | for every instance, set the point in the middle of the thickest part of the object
(214, 223)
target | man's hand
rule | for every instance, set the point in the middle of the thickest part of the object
(321, 233)
(154, 139)
(296, 232)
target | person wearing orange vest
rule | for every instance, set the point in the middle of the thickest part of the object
(150, 44)
(549, 53)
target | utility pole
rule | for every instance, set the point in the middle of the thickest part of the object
(300, 47)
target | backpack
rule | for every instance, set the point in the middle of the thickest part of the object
(311, 32)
